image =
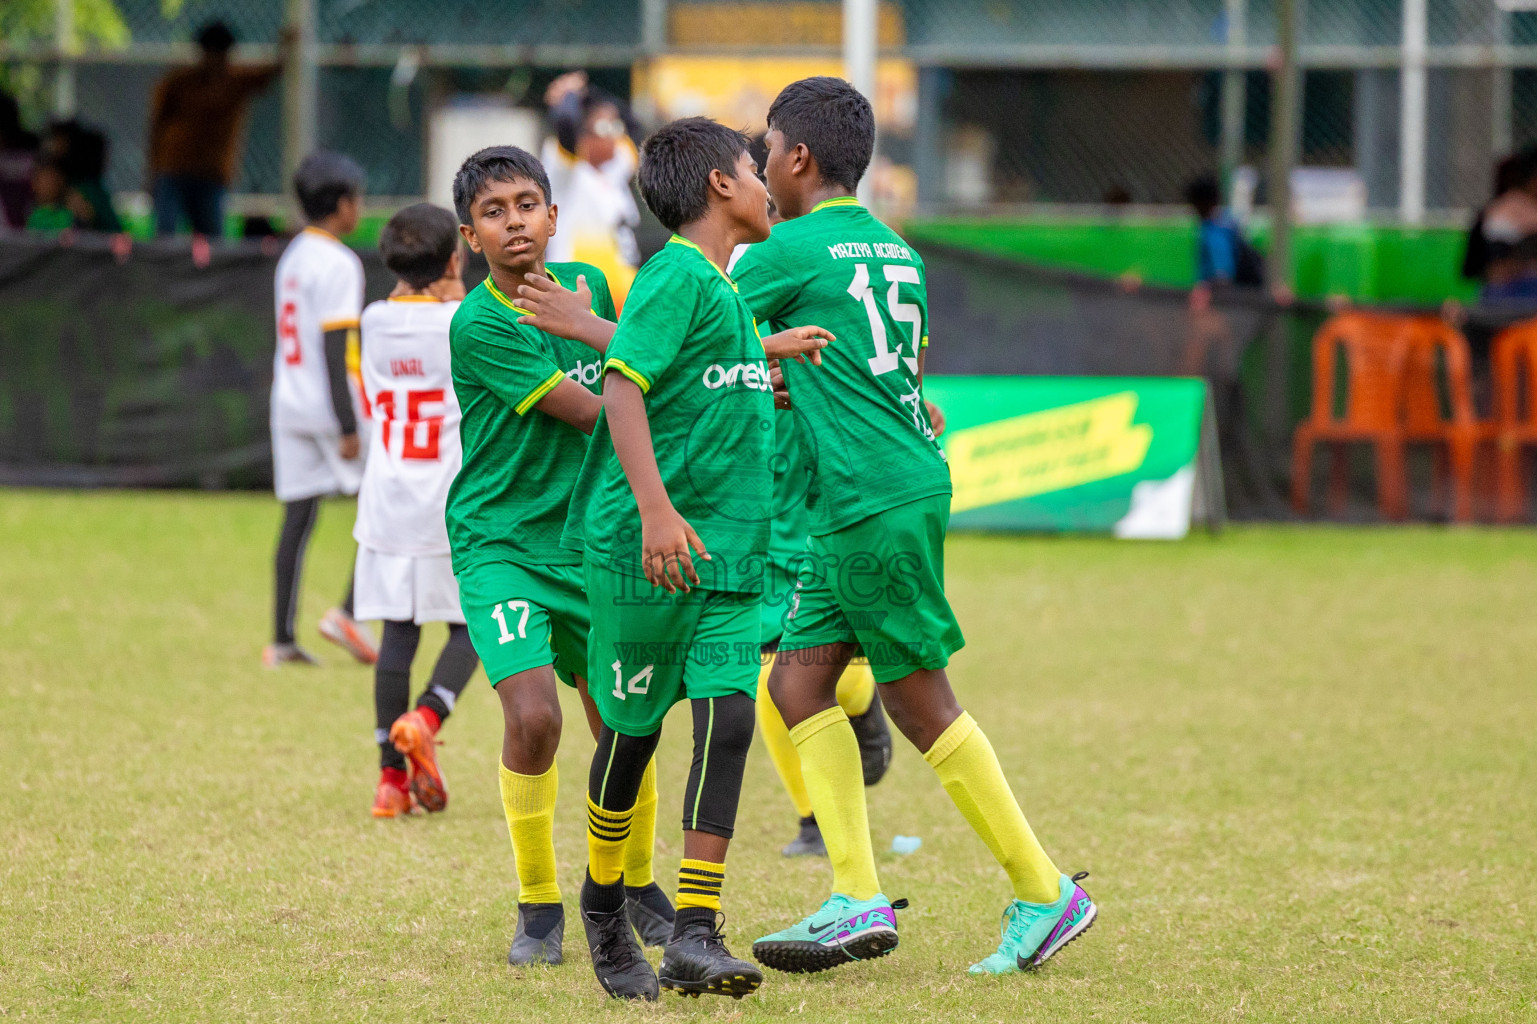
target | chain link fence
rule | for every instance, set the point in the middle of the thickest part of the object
(1018, 101)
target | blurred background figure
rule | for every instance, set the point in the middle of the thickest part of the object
(196, 121)
(1508, 232)
(50, 193)
(80, 153)
(591, 162)
(18, 153)
(1223, 255)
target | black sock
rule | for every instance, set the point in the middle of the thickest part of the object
(293, 537)
(691, 916)
(604, 899)
(456, 663)
(652, 896)
(540, 918)
(392, 686)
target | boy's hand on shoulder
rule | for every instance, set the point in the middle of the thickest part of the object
(665, 541)
(777, 385)
(557, 310)
(798, 343)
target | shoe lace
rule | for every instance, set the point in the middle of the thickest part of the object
(615, 946)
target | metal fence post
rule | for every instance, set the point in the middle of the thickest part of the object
(1411, 137)
(1285, 99)
(300, 83)
(64, 93)
(1234, 90)
(653, 26)
(860, 28)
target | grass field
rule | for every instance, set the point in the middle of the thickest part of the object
(1299, 763)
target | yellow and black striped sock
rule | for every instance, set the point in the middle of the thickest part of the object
(699, 883)
(607, 832)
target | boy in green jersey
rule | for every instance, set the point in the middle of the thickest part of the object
(528, 403)
(679, 466)
(879, 501)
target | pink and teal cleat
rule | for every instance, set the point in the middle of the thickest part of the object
(842, 931)
(1032, 932)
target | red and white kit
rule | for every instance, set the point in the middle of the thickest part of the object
(404, 571)
(319, 289)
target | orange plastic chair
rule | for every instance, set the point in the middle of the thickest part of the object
(1375, 349)
(1444, 417)
(1514, 361)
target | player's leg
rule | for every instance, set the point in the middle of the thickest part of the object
(392, 695)
(504, 607)
(860, 699)
(414, 734)
(339, 625)
(721, 679)
(787, 763)
(299, 518)
(649, 909)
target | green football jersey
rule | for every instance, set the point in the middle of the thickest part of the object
(787, 532)
(510, 497)
(689, 343)
(867, 432)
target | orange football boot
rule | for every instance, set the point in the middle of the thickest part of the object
(343, 631)
(414, 737)
(390, 801)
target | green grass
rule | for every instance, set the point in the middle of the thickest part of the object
(1299, 762)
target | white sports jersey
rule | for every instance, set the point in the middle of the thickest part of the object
(319, 289)
(414, 452)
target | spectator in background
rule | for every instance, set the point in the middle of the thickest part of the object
(1223, 255)
(1509, 233)
(196, 118)
(18, 154)
(81, 156)
(50, 198)
(1475, 256)
(591, 162)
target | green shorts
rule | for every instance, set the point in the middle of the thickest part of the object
(880, 583)
(650, 649)
(523, 616)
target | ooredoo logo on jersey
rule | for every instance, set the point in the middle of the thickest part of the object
(751, 375)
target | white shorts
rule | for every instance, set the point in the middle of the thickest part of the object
(405, 588)
(310, 466)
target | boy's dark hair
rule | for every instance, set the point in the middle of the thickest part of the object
(1204, 194)
(418, 243)
(835, 123)
(675, 166)
(323, 180)
(495, 163)
(215, 37)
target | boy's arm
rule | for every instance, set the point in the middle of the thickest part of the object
(572, 403)
(341, 394)
(565, 313)
(665, 535)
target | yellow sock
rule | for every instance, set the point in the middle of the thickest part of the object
(830, 759)
(699, 883)
(529, 803)
(781, 749)
(856, 688)
(970, 773)
(638, 848)
(607, 833)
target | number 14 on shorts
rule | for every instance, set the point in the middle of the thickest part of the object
(639, 683)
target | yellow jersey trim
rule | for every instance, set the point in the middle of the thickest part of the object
(633, 374)
(836, 201)
(680, 240)
(338, 325)
(925, 342)
(504, 300)
(532, 398)
(413, 298)
(310, 229)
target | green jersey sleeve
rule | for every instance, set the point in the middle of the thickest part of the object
(656, 321)
(765, 278)
(511, 365)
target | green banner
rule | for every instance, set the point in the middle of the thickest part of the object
(1093, 454)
